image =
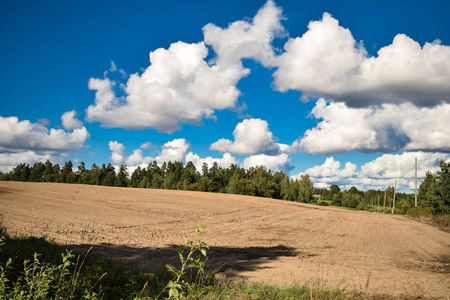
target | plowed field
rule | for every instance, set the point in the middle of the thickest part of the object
(251, 238)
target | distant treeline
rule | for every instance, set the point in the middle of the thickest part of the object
(434, 191)
(256, 181)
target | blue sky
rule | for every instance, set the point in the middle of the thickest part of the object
(346, 91)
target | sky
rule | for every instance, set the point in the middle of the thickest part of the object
(349, 92)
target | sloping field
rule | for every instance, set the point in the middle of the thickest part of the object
(251, 238)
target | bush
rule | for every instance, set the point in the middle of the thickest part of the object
(322, 203)
(419, 211)
(442, 220)
(402, 207)
(361, 206)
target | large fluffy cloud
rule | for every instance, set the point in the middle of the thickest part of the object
(378, 173)
(251, 136)
(26, 142)
(23, 136)
(388, 128)
(179, 86)
(327, 61)
(247, 39)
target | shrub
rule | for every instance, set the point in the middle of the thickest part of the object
(419, 211)
(361, 206)
(442, 220)
(402, 207)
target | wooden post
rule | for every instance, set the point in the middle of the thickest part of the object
(378, 205)
(393, 203)
(384, 203)
(415, 189)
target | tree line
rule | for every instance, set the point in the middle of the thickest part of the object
(433, 195)
(255, 181)
(434, 191)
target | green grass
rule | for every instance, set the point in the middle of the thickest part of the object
(29, 262)
(267, 291)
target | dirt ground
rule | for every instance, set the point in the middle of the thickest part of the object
(254, 239)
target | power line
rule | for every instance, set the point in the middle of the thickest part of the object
(440, 153)
(409, 172)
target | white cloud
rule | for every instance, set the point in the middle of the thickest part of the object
(332, 168)
(273, 162)
(10, 160)
(401, 165)
(135, 159)
(147, 145)
(377, 174)
(226, 161)
(251, 136)
(247, 39)
(327, 61)
(175, 150)
(388, 128)
(330, 172)
(26, 142)
(118, 150)
(70, 122)
(23, 136)
(180, 87)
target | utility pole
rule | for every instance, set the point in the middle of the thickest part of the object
(415, 189)
(384, 204)
(393, 203)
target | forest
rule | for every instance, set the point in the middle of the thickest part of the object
(433, 194)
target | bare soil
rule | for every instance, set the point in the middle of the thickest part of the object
(251, 238)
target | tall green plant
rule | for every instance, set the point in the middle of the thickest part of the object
(181, 283)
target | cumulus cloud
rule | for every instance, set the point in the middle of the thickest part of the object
(388, 128)
(10, 160)
(251, 136)
(26, 142)
(70, 122)
(376, 174)
(180, 87)
(331, 172)
(118, 150)
(23, 136)
(401, 165)
(175, 150)
(135, 159)
(247, 39)
(226, 161)
(327, 62)
(273, 162)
